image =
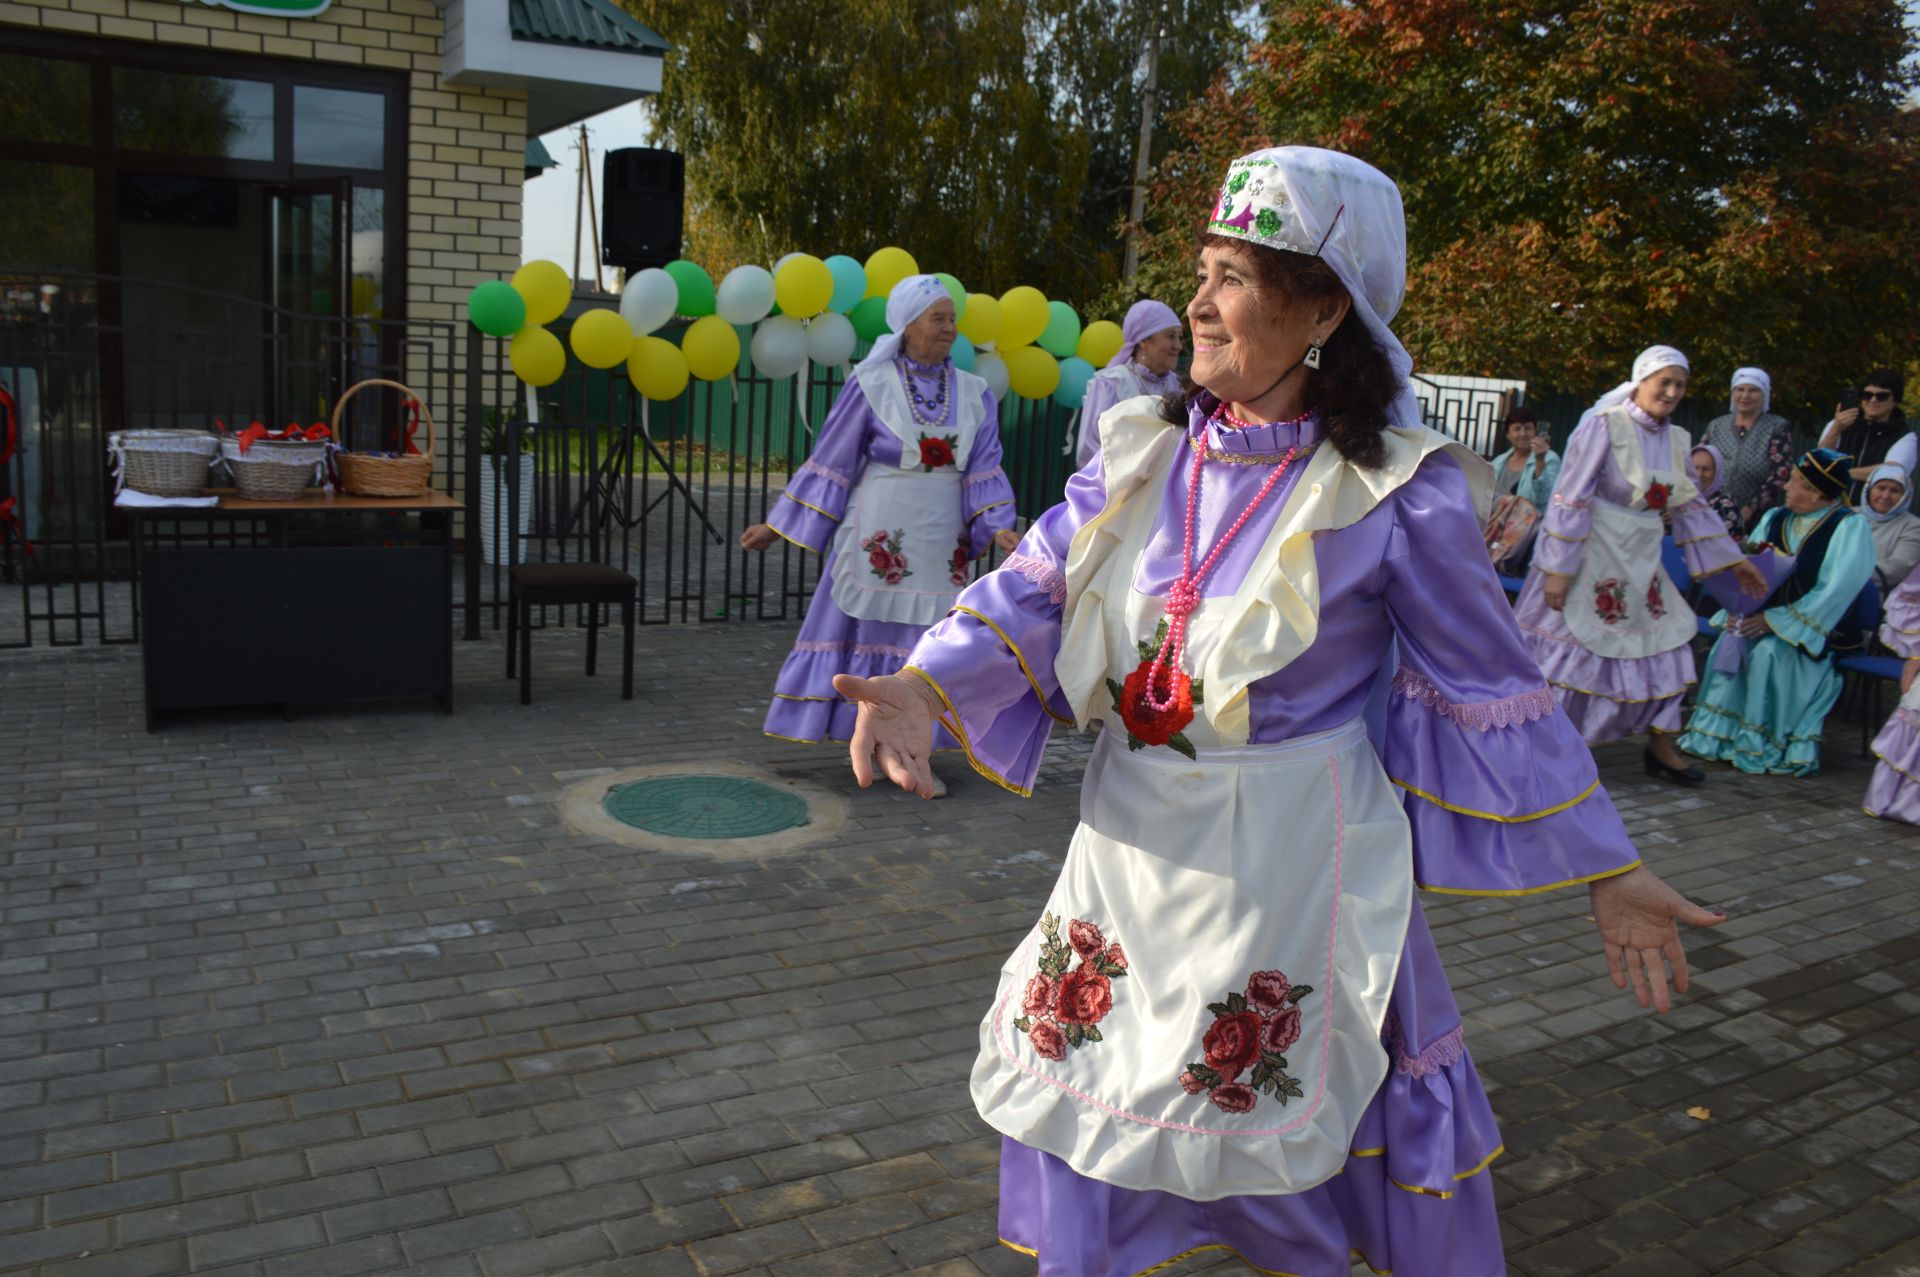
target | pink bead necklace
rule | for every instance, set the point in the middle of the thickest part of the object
(1184, 594)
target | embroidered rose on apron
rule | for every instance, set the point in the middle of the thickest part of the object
(1249, 1032)
(1061, 1007)
(935, 451)
(884, 559)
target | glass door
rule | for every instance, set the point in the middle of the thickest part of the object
(308, 289)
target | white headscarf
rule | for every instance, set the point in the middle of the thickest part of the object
(1752, 377)
(1648, 362)
(907, 302)
(1896, 473)
(1303, 199)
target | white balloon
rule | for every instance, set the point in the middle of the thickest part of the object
(745, 296)
(992, 369)
(830, 339)
(779, 347)
(649, 300)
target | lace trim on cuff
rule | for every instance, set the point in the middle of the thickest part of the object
(1569, 503)
(842, 481)
(1807, 621)
(985, 475)
(1475, 716)
(1041, 573)
(1446, 1050)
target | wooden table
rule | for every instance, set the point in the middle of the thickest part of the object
(324, 599)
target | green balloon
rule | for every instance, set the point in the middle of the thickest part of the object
(870, 319)
(496, 308)
(696, 288)
(1062, 334)
(956, 290)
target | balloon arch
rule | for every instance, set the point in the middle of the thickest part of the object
(804, 309)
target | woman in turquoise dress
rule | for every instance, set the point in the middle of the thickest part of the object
(1766, 715)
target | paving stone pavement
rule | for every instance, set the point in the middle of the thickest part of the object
(341, 995)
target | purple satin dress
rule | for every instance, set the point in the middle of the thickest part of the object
(1895, 789)
(805, 707)
(1610, 697)
(1501, 793)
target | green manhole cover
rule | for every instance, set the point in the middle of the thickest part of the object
(705, 807)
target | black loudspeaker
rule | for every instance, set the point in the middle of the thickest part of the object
(642, 199)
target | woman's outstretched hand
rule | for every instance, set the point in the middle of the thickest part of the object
(894, 728)
(1636, 913)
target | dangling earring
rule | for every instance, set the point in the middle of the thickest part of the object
(1313, 356)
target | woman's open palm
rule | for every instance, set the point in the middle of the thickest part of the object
(894, 728)
(1638, 915)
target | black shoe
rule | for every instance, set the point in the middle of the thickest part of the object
(1688, 776)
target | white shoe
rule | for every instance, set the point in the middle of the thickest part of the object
(939, 788)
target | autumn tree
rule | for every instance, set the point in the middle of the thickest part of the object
(1740, 178)
(993, 138)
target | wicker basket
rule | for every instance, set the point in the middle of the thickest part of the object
(368, 475)
(164, 463)
(272, 469)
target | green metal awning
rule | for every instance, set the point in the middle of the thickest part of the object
(589, 24)
(539, 158)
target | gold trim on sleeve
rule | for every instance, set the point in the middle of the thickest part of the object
(951, 721)
(983, 509)
(1529, 891)
(1019, 656)
(1437, 801)
(816, 509)
(793, 540)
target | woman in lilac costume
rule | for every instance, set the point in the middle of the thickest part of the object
(1348, 527)
(1609, 628)
(1894, 791)
(909, 417)
(1144, 365)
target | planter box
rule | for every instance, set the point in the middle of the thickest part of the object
(493, 510)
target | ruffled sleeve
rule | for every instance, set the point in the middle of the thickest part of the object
(991, 660)
(1848, 566)
(1501, 791)
(1563, 541)
(1702, 534)
(1900, 624)
(815, 499)
(986, 493)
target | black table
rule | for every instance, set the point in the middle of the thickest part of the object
(324, 599)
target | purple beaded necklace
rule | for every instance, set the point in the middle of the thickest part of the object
(931, 412)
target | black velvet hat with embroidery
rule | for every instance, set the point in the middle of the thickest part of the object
(1826, 470)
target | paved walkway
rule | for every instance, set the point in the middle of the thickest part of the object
(342, 995)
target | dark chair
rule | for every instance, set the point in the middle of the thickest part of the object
(568, 542)
(1863, 670)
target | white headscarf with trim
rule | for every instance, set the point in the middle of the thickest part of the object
(1302, 199)
(907, 302)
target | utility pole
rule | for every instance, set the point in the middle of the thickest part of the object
(583, 198)
(1143, 151)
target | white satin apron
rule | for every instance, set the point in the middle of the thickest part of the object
(1621, 604)
(1291, 858)
(918, 510)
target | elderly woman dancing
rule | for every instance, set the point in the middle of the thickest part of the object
(1763, 709)
(1607, 625)
(1229, 1028)
(1756, 445)
(1144, 365)
(902, 492)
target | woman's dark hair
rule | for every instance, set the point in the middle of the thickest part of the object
(1355, 383)
(1888, 379)
(1520, 412)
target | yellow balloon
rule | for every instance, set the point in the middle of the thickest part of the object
(601, 338)
(887, 267)
(546, 290)
(1023, 317)
(536, 356)
(658, 369)
(1031, 371)
(980, 322)
(1100, 341)
(803, 286)
(712, 348)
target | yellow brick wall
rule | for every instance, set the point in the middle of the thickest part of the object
(466, 146)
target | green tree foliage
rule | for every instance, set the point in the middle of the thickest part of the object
(1740, 178)
(992, 138)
